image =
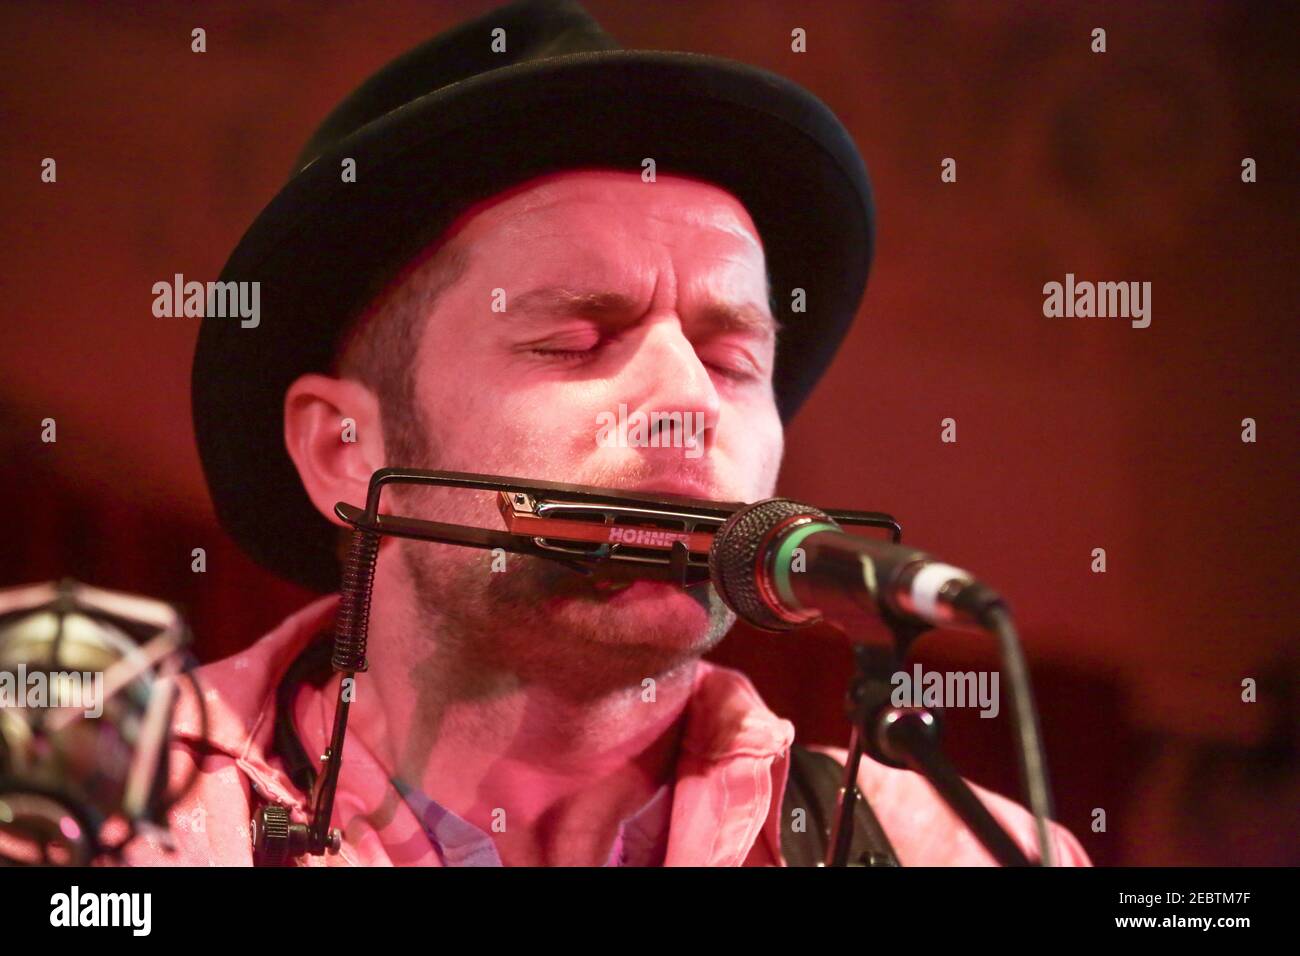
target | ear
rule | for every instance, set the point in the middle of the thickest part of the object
(334, 434)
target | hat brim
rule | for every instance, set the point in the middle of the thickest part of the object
(323, 248)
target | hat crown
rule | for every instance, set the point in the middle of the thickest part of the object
(534, 30)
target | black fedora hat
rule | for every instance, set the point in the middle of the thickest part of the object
(451, 123)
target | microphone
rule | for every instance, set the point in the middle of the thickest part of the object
(781, 565)
(83, 754)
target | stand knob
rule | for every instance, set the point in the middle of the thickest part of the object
(275, 839)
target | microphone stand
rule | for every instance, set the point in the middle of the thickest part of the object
(905, 738)
(868, 691)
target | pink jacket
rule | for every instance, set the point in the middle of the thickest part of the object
(731, 774)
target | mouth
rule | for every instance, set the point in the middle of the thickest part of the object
(636, 589)
(612, 577)
(612, 580)
(607, 577)
(611, 586)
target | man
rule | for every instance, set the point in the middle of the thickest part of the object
(500, 238)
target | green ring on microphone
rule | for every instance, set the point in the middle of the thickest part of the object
(785, 558)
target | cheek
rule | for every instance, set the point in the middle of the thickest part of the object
(485, 423)
(751, 441)
(551, 414)
(769, 448)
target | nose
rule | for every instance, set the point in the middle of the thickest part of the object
(668, 378)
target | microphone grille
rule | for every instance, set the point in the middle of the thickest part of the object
(734, 557)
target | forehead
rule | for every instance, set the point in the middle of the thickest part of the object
(598, 208)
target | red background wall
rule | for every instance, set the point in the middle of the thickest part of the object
(1072, 433)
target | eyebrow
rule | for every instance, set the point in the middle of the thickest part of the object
(613, 306)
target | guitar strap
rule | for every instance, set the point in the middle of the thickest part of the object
(813, 786)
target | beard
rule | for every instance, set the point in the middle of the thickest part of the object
(520, 618)
(544, 623)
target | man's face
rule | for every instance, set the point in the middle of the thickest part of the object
(608, 292)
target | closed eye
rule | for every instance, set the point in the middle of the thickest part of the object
(564, 355)
(737, 367)
(577, 356)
